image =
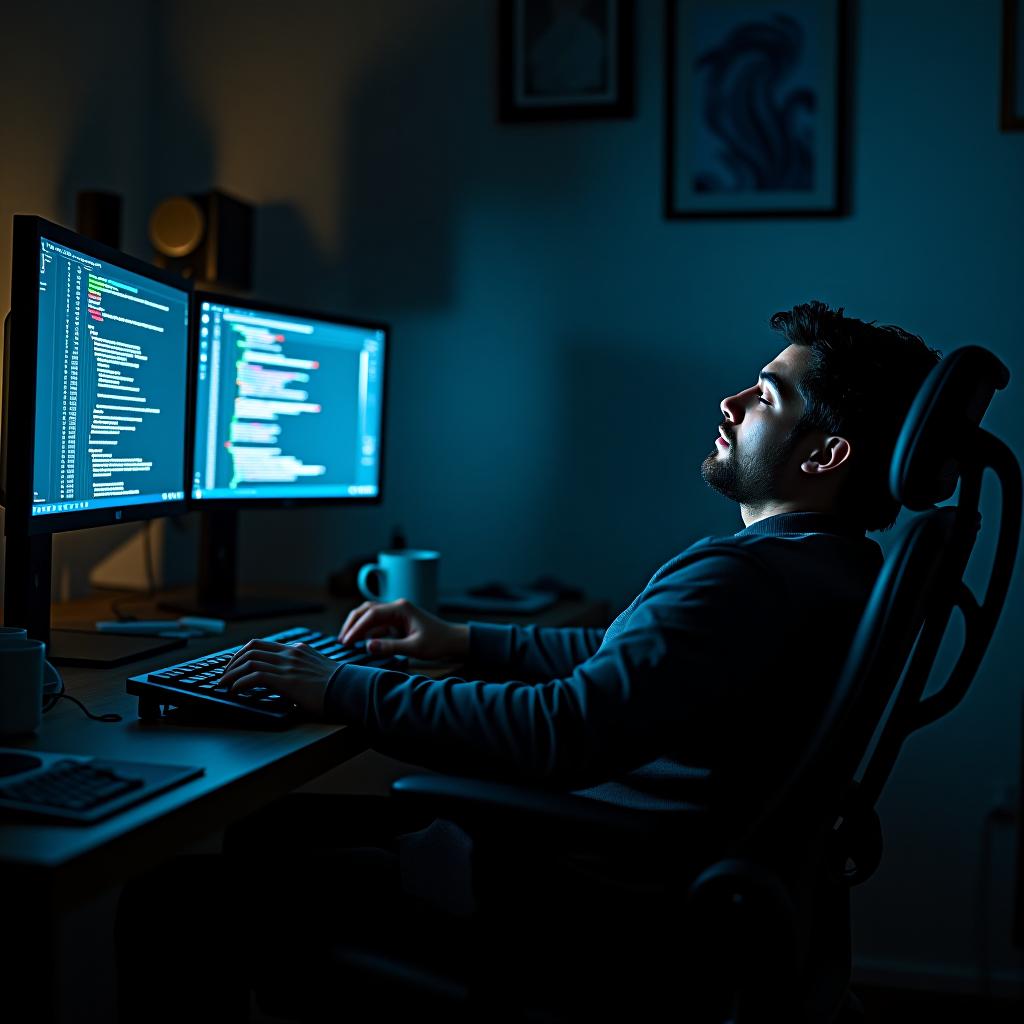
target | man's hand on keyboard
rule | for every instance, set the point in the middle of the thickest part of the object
(294, 670)
(400, 627)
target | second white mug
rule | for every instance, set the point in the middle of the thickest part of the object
(23, 668)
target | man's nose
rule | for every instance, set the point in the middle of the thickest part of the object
(732, 408)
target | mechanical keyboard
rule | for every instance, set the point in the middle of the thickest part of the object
(193, 689)
(77, 790)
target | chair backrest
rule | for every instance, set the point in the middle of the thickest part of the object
(941, 444)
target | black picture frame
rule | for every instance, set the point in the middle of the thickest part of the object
(1012, 105)
(560, 64)
(738, 147)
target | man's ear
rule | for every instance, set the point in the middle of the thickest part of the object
(829, 456)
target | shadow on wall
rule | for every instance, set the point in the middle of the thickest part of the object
(405, 162)
(397, 222)
(108, 146)
(402, 156)
(180, 144)
(178, 158)
(417, 145)
(630, 437)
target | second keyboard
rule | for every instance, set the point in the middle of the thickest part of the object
(195, 686)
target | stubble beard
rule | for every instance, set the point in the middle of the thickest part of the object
(747, 481)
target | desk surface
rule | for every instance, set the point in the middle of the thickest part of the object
(244, 769)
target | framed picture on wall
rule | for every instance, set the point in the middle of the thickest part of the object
(1013, 66)
(565, 59)
(755, 108)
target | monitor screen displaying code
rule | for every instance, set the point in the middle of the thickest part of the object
(111, 379)
(287, 406)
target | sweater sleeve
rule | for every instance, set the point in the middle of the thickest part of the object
(645, 691)
(529, 652)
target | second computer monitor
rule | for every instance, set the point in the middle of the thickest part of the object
(289, 406)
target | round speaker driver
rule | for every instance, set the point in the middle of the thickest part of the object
(176, 226)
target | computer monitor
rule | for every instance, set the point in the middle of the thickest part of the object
(288, 411)
(96, 378)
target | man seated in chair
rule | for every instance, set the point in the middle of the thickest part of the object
(722, 662)
(749, 628)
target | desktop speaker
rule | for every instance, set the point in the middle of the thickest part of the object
(98, 216)
(204, 237)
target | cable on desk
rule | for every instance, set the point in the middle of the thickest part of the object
(109, 717)
(50, 701)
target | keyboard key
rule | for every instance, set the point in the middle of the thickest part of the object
(349, 654)
(327, 641)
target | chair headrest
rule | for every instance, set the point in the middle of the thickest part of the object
(942, 424)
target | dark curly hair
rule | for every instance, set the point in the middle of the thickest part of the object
(859, 384)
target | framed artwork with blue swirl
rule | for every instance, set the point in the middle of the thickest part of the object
(756, 99)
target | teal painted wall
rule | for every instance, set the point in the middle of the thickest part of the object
(559, 347)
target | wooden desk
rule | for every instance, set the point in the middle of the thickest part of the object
(245, 769)
(49, 869)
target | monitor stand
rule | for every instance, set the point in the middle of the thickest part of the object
(27, 603)
(216, 596)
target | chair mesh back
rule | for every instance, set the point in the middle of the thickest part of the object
(934, 444)
(921, 582)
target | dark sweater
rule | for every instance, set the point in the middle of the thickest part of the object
(724, 659)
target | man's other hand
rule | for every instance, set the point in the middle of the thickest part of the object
(399, 627)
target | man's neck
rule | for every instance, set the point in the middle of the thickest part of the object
(755, 513)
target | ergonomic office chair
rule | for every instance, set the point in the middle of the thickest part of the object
(723, 917)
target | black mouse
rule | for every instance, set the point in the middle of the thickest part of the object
(14, 764)
(495, 590)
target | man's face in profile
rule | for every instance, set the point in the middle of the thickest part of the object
(755, 459)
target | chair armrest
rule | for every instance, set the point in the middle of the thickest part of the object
(494, 808)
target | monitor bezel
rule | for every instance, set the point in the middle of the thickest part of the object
(21, 363)
(264, 306)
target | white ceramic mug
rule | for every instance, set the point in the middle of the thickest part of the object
(410, 573)
(23, 667)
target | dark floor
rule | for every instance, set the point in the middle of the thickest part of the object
(894, 1006)
(900, 1006)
